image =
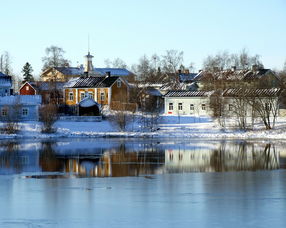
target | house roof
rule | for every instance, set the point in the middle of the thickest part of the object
(88, 102)
(113, 71)
(187, 93)
(45, 86)
(187, 77)
(91, 82)
(238, 74)
(241, 92)
(70, 70)
(78, 71)
(21, 99)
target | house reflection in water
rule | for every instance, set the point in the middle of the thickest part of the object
(121, 158)
(223, 156)
(16, 158)
(117, 163)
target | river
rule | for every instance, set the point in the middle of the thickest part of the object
(139, 183)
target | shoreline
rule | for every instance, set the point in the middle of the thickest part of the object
(188, 128)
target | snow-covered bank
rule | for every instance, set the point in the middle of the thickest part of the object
(169, 126)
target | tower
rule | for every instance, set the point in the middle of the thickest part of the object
(88, 67)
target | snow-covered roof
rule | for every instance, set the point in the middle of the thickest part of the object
(241, 92)
(238, 74)
(88, 102)
(21, 99)
(113, 71)
(70, 70)
(187, 93)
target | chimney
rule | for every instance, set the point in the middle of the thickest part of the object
(233, 68)
(187, 71)
(179, 71)
(108, 74)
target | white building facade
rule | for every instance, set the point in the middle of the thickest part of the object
(196, 103)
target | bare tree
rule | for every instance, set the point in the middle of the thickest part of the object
(48, 117)
(224, 60)
(266, 107)
(172, 60)
(5, 63)
(54, 58)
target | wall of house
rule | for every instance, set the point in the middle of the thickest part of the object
(53, 75)
(198, 103)
(31, 112)
(119, 93)
(106, 96)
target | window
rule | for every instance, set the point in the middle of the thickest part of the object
(171, 106)
(204, 107)
(119, 83)
(102, 96)
(192, 107)
(180, 106)
(230, 107)
(90, 95)
(24, 112)
(71, 96)
(82, 96)
(4, 112)
(27, 88)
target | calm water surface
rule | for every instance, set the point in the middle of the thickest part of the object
(139, 183)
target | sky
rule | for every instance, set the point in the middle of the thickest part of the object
(128, 29)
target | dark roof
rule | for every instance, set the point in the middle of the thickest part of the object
(70, 70)
(113, 71)
(91, 82)
(251, 92)
(187, 93)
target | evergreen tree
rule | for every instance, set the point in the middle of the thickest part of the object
(27, 72)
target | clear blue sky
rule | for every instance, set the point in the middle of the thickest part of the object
(130, 28)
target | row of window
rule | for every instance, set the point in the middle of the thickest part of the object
(4, 112)
(268, 107)
(180, 106)
(84, 95)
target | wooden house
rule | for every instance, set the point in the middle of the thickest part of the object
(51, 92)
(109, 92)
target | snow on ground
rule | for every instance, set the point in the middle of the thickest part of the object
(168, 126)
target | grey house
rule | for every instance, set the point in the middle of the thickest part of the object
(21, 108)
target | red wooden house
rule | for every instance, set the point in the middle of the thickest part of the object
(27, 89)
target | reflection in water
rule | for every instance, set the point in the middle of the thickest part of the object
(105, 158)
(226, 156)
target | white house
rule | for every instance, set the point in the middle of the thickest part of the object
(185, 102)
